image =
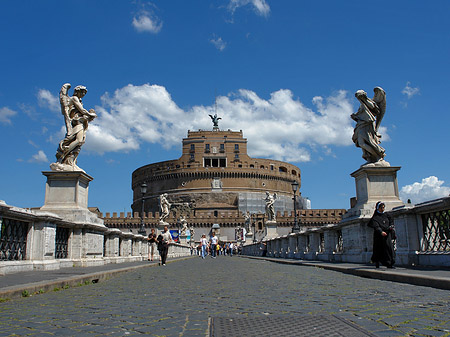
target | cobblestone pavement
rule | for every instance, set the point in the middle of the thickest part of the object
(177, 299)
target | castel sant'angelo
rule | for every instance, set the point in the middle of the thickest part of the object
(214, 184)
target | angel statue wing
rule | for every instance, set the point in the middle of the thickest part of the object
(64, 99)
(380, 99)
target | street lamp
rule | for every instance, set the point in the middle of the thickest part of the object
(296, 227)
(143, 191)
(253, 218)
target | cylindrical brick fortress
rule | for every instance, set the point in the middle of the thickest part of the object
(214, 173)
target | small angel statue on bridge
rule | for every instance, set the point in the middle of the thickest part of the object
(368, 119)
(76, 118)
(270, 208)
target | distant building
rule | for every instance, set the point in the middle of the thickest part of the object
(215, 182)
(215, 172)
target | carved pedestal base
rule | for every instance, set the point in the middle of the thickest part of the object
(270, 230)
(161, 225)
(66, 194)
(248, 238)
(183, 239)
(373, 184)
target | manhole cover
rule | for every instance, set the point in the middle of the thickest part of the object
(285, 326)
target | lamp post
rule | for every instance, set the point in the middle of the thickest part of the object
(254, 227)
(143, 191)
(296, 227)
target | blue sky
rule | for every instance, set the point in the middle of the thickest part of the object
(284, 72)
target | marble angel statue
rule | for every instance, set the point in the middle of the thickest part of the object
(76, 119)
(368, 119)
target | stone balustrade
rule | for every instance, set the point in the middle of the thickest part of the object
(40, 240)
(423, 238)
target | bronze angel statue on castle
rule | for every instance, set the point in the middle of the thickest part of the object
(368, 119)
(76, 119)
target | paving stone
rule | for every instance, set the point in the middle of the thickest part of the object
(426, 332)
(175, 300)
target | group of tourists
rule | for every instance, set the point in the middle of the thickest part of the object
(214, 248)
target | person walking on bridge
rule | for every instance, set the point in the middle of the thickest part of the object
(166, 239)
(203, 243)
(383, 236)
(214, 241)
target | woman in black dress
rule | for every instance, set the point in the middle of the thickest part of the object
(384, 234)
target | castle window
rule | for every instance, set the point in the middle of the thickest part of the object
(214, 162)
(222, 148)
(236, 157)
(192, 147)
(262, 167)
(272, 167)
(282, 169)
(192, 157)
(252, 166)
(294, 172)
(216, 214)
(236, 147)
(207, 148)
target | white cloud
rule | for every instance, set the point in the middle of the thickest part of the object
(33, 143)
(46, 99)
(410, 91)
(6, 114)
(280, 127)
(218, 43)
(430, 188)
(146, 21)
(39, 157)
(261, 7)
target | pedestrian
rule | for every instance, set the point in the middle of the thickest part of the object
(214, 241)
(203, 243)
(264, 249)
(151, 244)
(383, 236)
(166, 238)
(231, 249)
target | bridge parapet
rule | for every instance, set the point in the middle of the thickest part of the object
(423, 238)
(33, 239)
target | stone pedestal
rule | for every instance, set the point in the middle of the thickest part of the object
(66, 194)
(270, 230)
(160, 227)
(66, 189)
(374, 184)
(249, 238)
(183, 239)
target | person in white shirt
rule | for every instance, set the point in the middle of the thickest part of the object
(166, 239)
(204, 243)
(214, 241)
(231, 248)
